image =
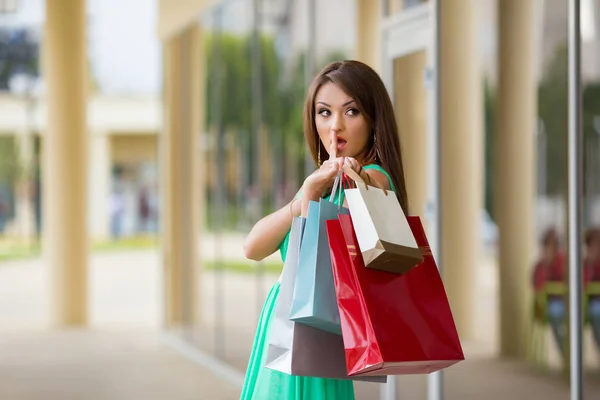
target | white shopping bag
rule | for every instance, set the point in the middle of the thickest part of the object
(384, 236)
(297, 349)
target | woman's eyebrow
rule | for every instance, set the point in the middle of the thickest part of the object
(343, 105)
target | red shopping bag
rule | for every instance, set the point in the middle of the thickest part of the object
(391, 324)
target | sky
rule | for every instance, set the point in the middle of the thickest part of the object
(122, 43)
(124, 49)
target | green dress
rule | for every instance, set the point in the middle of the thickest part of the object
(262, 383)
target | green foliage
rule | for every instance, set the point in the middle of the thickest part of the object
(9, 161)
(230, 80)
(19, 53)
(293, 98)
(490, 132)
(243, 266)
(553, 111)
(591, 111)
(333, 56)
(229, 77)
(591, 108)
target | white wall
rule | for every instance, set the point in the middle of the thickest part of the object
(99, 185)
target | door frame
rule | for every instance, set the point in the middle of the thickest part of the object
(407, 32)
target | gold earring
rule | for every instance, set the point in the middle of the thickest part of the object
(375, 145)
(318, 155)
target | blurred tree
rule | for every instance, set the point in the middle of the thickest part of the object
(591, 129)
(230, 106)
(9, 163)
(283, 100)
(230, 100)
(19, 53)
(334, 55)
(490, 131)
(9, 173)
(591, 109)
(553, 111)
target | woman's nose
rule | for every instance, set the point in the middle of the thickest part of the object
(337, 124)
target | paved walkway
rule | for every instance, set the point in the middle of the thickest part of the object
(124, 292)
(112, 365)
(102, 365)
(122, 358)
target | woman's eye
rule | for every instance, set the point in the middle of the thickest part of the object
(324, 113)
(353, 111)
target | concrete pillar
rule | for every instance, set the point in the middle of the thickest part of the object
(182, 177)
(65, 161)
(395, 6)
(462, 157)
(515, 165)
(411, 112)
(100, 185)
(368, 43)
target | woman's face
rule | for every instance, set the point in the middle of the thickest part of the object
(551, 248)
(593, 250)
(337, 112)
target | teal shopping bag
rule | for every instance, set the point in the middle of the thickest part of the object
(314, 302)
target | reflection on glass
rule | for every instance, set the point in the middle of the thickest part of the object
(255, 87)
(412, 3)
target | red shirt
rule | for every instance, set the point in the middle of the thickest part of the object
(553, 271)
(591, 271)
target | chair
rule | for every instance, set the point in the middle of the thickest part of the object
(538, 342)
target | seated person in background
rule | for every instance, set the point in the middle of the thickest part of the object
(591, 274)
(550, 268)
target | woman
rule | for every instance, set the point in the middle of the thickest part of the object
(348, 118)
(591, 273)
(551, 268)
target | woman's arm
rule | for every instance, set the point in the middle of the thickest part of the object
(268, 233)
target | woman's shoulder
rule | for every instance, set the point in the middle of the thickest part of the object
(382, 171)
(375, 167)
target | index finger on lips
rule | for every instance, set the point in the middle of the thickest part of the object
(333, 146)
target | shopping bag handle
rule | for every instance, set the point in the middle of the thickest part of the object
(337, 183)
(347, 169)
(334, 188)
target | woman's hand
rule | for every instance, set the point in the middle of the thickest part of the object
(323, 178)
(354, 164)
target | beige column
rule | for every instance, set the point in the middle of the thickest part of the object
(395, 6)
(182, 180)
(411, 112)
(65, 161)
(514, 189)
(368, 43)
(462, 157)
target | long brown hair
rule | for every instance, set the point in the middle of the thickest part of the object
(362, 83)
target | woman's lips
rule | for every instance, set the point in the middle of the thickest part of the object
(341, 144)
